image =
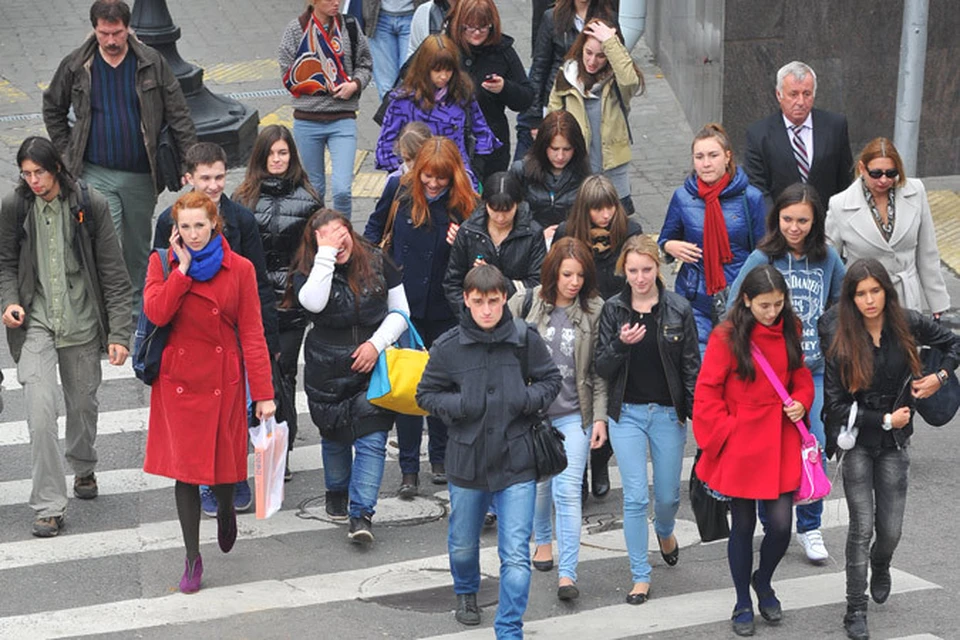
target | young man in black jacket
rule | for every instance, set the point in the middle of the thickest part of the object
(476, 384)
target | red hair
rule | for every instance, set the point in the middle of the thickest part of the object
(198, 200)
(440, 157)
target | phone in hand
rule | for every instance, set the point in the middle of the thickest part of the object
(490, 77)
(16, 315)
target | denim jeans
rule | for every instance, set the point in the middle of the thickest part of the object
(563, 491)
(340, 136)
(358, 474)
(515, 506)
(874, 482)
(389, 48)
(809, 515)
(643, 426)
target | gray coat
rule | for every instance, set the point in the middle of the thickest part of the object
(591, 388)
(158, 90)
(911, 256)
(97, 251)
(473, 382)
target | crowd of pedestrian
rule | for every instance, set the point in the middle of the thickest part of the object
(528, 277)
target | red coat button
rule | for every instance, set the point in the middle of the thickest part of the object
(216, 392)
(179, 389)
(219, 349)
(215, 311)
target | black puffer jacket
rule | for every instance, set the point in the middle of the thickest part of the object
(608, 283)
(890, 370)
(282, 212)
(517, 94)
(677, 339)
(337, 395)
(519, 257)
(549, 202)
(473, 382)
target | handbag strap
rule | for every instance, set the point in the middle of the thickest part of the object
(416, 342)
(778, 387)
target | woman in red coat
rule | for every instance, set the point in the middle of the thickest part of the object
(198, 416)
(751, 448)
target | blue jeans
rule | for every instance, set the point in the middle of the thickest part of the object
(389, 48)
(875, 484)
(564, 492)
(340, 136)
(809, 515)
(515, 506)
(361, 474)
(643, 426)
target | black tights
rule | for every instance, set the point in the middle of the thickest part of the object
(188, 511)
(740, 545)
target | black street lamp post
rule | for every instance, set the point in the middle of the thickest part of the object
(218, 119)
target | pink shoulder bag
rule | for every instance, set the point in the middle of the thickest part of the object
(814, 483)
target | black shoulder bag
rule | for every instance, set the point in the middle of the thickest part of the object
(549, 453)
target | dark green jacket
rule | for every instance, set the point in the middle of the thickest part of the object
(161, 100)
(96, 249)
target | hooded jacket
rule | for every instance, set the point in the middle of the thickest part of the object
(473, 382)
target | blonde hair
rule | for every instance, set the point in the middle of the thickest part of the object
(642, 245)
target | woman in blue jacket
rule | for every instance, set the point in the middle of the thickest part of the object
(796, 245)
(713, 223)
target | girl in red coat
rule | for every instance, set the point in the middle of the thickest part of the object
(751, 448)
(198, 415)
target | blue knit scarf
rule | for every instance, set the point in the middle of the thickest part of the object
(205, 263)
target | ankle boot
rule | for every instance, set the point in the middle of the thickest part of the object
(855, 623)
(190, 582)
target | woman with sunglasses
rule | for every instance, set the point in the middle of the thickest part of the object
(499, 78)
(871, 380)
(885, 215)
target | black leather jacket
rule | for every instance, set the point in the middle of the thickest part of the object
(679, 349)
(282, 212)
(519, 257)
(890, 372)
(549, 203)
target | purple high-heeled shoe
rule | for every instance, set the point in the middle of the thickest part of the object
(227, 529)
(190, 582)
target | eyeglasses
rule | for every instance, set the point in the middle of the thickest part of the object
(484, 29)
(39, 173)
(876, 174)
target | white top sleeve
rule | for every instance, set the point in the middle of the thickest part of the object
(315, 292)
(393, 325)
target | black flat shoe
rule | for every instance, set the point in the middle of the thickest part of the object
(772, 612)
(743, 626)
(568, 592)
(674, 556)
(543, 565)
(638, 598)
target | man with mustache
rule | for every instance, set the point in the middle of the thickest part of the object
(122, 93)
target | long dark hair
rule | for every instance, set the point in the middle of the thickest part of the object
(852, 346)
(556, 123)
(565, 11)
(41, 151)
(360, 266)
(815, 244)
(576, 53)
(762, 279)
(550, 270)
(437, 52)
(248, 192)
(597, 192)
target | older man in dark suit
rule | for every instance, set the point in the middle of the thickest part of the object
(799, 143)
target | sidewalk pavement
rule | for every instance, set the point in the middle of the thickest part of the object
(252, 28)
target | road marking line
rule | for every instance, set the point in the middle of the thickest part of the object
(676, 612)
(226, 73)
(217, 603)
(10, 93)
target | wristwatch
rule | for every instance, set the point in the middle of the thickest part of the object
(943, 376)
(887, 422)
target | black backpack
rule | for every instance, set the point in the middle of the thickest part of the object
(149, 339)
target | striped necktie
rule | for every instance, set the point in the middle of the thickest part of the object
(800, 152)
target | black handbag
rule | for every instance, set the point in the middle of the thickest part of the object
(941, 407)
(549, 454)
(710, 513)
(169, 172)
(284, 395)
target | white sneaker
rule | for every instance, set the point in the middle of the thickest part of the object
(812, 543)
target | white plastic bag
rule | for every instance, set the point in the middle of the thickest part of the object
(269, 440)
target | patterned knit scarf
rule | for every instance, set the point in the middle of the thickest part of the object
(716, 243)
(317, 67)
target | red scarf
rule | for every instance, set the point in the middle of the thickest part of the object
(716, 244)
